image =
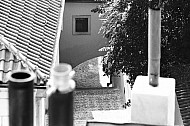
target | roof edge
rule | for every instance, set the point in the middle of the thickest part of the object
(18, 54)
(85, 1)
(59, 28)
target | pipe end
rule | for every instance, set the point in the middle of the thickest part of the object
(21, 76)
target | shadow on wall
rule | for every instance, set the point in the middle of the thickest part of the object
(80, 53)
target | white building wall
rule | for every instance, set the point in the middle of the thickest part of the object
(75, 49)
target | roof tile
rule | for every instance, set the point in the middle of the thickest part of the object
(44, 62)
(25, 29)
(2, 28)
(5, 7)
(8, 62)
(21, 44)
(23, 39)
(12, 27)
(32, 57)
(34, 49)
(11, 32)
(32, 26)
(16, 13)
(9, 56)
(44, 69)
(22, 50)
(41, 8)
(2, 56)
(18, 2)
(45, 58)
(4, 2)
(1, 65)
(46, 55)
(3, 16)
(3, 19)
(10, 38)
(30, 6)
(13, 21)
(47, 43)
(47, 52)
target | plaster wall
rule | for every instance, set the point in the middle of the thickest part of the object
(75, 49)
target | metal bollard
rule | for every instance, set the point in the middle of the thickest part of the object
(61, 109)
(61, 96)
(21, 98)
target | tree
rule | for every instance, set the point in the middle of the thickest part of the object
(125, 25)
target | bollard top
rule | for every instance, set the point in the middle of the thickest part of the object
(63, 69)
(61, 79)
(21, 76)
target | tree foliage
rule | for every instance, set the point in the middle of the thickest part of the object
(125, 25)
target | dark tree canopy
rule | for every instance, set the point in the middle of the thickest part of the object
(125, 24)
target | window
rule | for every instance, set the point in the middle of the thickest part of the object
(81, 24)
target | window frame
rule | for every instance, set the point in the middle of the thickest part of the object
(74, 24)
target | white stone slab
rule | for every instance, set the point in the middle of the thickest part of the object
(112, 116)
(153, 105)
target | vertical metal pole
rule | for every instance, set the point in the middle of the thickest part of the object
(154, 42)
(21, 98)
(61, 96)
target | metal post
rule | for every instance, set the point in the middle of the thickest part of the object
(61, 109)
(154, 42)
(21, 98)
(61, 96)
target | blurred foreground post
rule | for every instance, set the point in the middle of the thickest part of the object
(61, 96)
(21, 98)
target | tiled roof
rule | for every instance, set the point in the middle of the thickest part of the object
(8, 62)
(32, 27)
(12, 59)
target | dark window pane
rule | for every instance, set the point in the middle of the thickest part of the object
(81, 24)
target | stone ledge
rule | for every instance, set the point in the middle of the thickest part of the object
(112, 116)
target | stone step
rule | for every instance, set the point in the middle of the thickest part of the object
(94, 91)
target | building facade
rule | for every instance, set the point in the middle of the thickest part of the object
(79, 39)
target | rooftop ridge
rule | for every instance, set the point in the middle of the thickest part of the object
(20, 56)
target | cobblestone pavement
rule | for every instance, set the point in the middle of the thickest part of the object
(91, 96)
(87, 74)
